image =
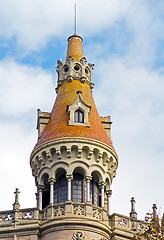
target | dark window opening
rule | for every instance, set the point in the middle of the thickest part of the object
(60, 190)
(77, 188)
(46, 193)
(77, 67)
(94, 193)
(46, 199)
(79, 116)
(66, 69)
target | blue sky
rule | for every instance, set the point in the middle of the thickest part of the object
(125, 41)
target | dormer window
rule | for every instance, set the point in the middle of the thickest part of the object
(79, 116)
(78, 112)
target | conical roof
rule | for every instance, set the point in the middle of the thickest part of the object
(75, 48)
(58, 125)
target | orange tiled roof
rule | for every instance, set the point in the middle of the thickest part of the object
(57, 126)
(75, 48)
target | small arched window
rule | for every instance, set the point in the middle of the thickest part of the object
(77, 188)
(79, 116)
(60, 190)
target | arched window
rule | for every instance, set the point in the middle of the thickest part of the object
(94, 193)
(60, 190)
(46, 192)
(77, 188)
(79, 116)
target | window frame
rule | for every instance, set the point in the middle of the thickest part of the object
(79, 116)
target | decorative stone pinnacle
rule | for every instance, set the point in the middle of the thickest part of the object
(133, 213)
(16, 195)
(133, 204)
(154, 210)
(16, 205)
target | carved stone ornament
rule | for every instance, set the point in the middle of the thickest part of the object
(74, 70)
(78, 236)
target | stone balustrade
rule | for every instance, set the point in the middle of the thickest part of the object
(121, 224)
(71, 209)
(53, 211)
(19, 215)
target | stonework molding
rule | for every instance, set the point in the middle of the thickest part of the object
(70, 140)
(70, 153)
(78, 236)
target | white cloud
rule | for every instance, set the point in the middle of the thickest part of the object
(33, 23)
(133, 95)
(23, 88)
(16, 143)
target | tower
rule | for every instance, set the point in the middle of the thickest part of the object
(74, 161)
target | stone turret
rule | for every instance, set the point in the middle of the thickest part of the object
(74, 161)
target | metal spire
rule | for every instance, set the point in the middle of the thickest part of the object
(75, 20)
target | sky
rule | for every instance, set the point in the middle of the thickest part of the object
(125, 41)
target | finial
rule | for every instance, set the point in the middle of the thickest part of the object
(75, 20)
(154, 210)
(133, 213)
(16, 205)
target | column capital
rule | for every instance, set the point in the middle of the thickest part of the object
(102, 184)
(51, 180)
(88, 178)
(109, 193)
(40, 188)
(69, 177)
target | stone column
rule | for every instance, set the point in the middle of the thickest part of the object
(69, 178)
(108, 193)
(102, 185)
(40, 189)
(88, 179)
(52, 181)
